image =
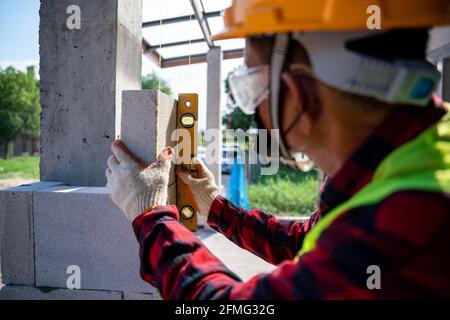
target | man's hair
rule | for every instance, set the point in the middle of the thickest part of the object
(394, 44)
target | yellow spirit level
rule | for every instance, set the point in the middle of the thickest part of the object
(187, 117)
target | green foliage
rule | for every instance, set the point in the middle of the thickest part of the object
(234, 118)
(153, 82)
(290, 192)
(19, 167)
(19, 105)
(237, 119)
(11, 125)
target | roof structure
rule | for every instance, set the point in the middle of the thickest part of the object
(166, 46)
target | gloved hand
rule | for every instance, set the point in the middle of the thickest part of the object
(204, 189)
(135, 186)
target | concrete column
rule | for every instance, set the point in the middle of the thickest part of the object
(213, 112)
(149, 118)
(81, 226)
(82, 73)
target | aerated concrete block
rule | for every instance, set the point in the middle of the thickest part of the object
(16, 233)
(33, 293)
(148, 121)
(81, 226)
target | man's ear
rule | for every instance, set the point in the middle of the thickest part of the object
(297, 99)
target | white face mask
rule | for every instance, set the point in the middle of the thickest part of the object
(249, 87)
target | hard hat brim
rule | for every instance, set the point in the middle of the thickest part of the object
(255, 17)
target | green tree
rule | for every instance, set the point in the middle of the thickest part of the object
(19, 106)
(153, 82)
(234, 118)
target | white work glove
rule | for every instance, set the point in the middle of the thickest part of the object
(203, 189)
(135, 186)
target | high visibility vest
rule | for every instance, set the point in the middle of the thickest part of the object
(422, 164)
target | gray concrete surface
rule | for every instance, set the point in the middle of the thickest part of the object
(83, 227)
(213, 113)
(14, 182)
(148, 120)
(16, 233)
(82, 74)
(243, 263)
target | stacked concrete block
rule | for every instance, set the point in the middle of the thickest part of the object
(17, 233)
(82, 227)
(148, 122)
(83, 72)
(47, 227)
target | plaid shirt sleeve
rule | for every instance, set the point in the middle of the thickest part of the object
(182, 268)
(406, 236)
(260, 233)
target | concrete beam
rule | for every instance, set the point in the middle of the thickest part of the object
(82, 74)
(213, 112)
(148, 121)
(156, 23)
(17, 233)
(83, 227)
(198, 58)
(33, 293)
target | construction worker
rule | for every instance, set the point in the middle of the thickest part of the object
(359, 104)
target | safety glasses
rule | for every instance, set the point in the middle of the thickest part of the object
(249, 87)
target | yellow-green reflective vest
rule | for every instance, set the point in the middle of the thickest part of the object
(422, 164)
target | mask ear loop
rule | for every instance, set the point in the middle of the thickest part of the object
(294, 122)
(307, 71)
(277, 65)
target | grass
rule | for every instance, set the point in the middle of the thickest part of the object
(289, 192)
(19, 167)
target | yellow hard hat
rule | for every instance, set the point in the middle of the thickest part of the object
(253, 17)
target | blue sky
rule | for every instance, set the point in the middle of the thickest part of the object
(19, 27)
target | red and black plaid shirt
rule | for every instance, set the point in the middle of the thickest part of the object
(407, 236)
